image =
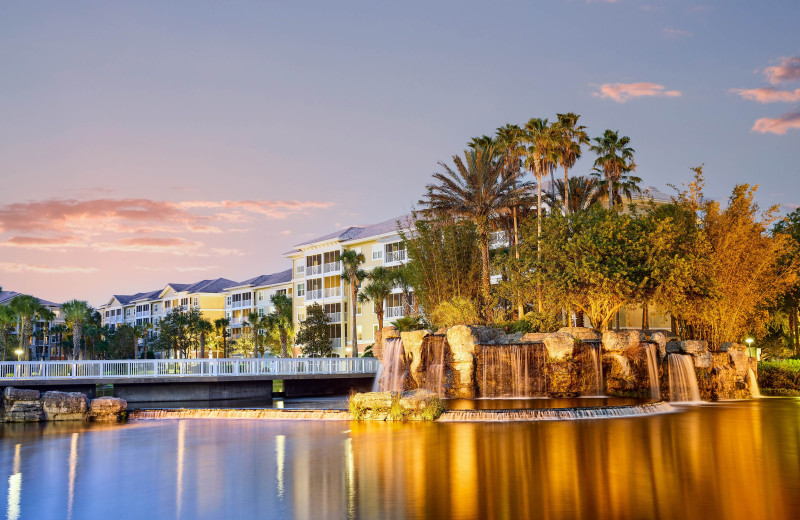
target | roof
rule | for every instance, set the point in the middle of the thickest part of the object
(357, 232)
(217, 285)
(266, 279)
(7, 296)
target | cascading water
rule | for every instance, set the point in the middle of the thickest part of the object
(755, 392)
(512, 370)
(436, 364)
(393, 373)
(652, 371)
(682, 379)
(221, 413)
(555, 414)
(596, 358)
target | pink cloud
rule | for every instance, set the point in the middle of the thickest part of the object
(622, 92)
(769, 95)
(777, 125)
(788, 70)
(45, 269)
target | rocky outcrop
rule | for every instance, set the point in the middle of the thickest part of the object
(21, 405)
(380, 340)
(418, 405)
(412, 344)
(462, 340)
(686, 347)
(582, 333)
(559, 346)
(107, 409)
(617, 340)
(64, 406)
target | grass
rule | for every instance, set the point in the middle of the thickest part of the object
(356, 409)
(434, 409)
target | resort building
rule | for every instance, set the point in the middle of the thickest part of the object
(253, 295)
(43, 340)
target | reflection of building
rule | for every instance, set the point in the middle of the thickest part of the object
(42, 339)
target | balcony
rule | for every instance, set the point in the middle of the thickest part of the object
(335, 317)
(312, 270)
(395, 256)
(236, 321)
(336, 342)
(394, 312)
(332, 267)
(333, 292)
(315, 294)
(143, 314)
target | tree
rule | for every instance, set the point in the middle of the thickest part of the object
(204, 328)
(44, 315)
(255, 320)
(571, 137)
(381, 283)
(8, 319)
(353, 275)
(140, 331)
(402, 280)
(614, 159)
(221, 325)
(314, 335)
(789, 304)
(280, 320)
(25, 307)
(76, 313)
(475, 190)
(582, 193)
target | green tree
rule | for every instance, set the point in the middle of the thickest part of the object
(221, 326)
(8, 320)
(789, 303)
(255, 321)
(475, 190)
(45, 316)
(314, 335)
(280, 321)
(353, 275)
(582, 193)
(76, 313)
(614, 159)
(570, 138)
(203, 328)
(25, 307)
(381, 283)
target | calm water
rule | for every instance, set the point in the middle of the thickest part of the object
(732, 460)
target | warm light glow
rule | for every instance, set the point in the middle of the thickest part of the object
(15, 486)
(73, 468)
(749, 341)
(280, 456)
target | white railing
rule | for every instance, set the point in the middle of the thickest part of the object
(394, 312)
(313, 269)
(163, 368)
(332, 292)
(335, 317)
(395, 256)
(237, 321)
(332, 267)
(316, 294)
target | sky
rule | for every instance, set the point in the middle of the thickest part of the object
(144, 142)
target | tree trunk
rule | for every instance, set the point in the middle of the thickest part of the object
(539, 240)
(284, 342)
(202, 346)
(380, 318)
(486, 280)
(645, 317)
(77, 332)
(353, 303)
(225, 342)
(566, 190)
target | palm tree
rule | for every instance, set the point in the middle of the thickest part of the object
(222, 324)
(402, 281)
(76, 313)
(381, 283)
(280, 319)
(25, 307)
(204, 328)
(140, 332)
(45, 316)
(614, 159)
(541, 160)
(8, 319)
(583, 192)
(476, 190)
(571, 137)
(353, 275)
(255, 320)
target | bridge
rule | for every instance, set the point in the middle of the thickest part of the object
(195, 379)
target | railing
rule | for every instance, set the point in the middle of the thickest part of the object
(395, 256)
(313, 269)
(316, 294)
(394, 312)
(237, 321)
(332, 267)
(155, 368)
(332, 292)
(335, 317)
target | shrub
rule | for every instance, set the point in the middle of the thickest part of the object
(457, 311)
(356, 408)
(781, 374)
(435, 407)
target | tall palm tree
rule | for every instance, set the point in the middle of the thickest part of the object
(583, 192)
(475, 190)
(280, 319)
(222, 324)
(25, 307)
(76, 313)
(204, 328)
(571, 137)
(44, 315)
(8, 319)
(381, 283)
(255, 320)
(614, 159)
(353, 275)
(402, 280)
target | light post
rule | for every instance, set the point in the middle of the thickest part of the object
(18, 352)
(752, 351)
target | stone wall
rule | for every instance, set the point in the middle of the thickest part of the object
(19, 405)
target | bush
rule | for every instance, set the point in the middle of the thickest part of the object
(457, 311)
(531, 322)
(781, 374)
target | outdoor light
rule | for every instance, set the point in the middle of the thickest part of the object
(752, 352)
(18, 352)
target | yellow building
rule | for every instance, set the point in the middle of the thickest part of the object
(253, 295)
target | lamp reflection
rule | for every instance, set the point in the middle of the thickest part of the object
(15, 486)
(73, 469)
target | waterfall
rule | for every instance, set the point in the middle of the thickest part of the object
(512, 370)
(376, 383)
(436, 364)
(393, 367)
(682, 379)
(753, 384)
(218, 413)
(554, 414)
(596, 356)
(652, 371)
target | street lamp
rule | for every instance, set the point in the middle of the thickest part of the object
(18, 352)
(752, 351)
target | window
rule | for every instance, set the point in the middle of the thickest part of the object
(301, 289)
(357, 250)
(301, 314)
(119, 312)
(167, 304)
(261, 311)
(300, 269)
(228, 301)
(128, 312)
(196, 302)
(184, 302)
(281, 291)
(155, 307)
(260, 296)
(106, 314)
(359, 332)
(377, 252)
(358, 309)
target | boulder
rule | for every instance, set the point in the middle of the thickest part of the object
(582, 333)
(534, 337)
(614, 340)
(418, 405)
(380, 338)
(22, 405)
(462, 340)
(686, 347)
(702, 360)
(559, 345)
(739, 358)
(64, 406)
(660, 339)
(412, 344)
(107, 409)
(618, 373)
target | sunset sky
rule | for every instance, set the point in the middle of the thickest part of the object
(151, 142)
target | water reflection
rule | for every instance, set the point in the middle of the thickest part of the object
(737, 460)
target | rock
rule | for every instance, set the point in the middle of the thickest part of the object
(22, 405)
(559, 345)
(64, 406)
(582, 333)
(462, 340)
(418, 405)
(702, 360)
(534, 337)
(686, 347)
(620, 340)
(412, 345)
(107, 408)
(511, 339)
(739, 358)
(380, 340)
(660, 339)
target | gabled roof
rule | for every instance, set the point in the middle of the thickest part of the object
(266, 279)
(357, 232)
(210, 286)
(7, 296)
